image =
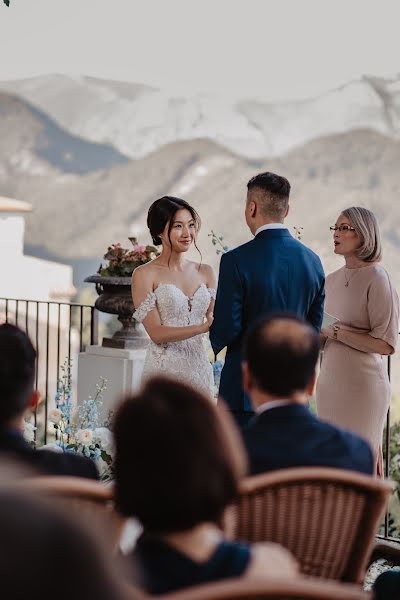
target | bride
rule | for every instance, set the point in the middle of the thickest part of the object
(174, 297)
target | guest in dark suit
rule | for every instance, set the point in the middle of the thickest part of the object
(273, 272)
(17, 396)
(44, 549)
(280, 356)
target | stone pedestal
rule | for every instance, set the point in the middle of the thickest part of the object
(122, 369)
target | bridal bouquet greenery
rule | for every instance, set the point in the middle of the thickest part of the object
(77, 429)
(122, 261)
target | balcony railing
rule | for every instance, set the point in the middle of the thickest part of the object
(59, 331)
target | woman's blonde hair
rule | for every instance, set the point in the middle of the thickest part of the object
(366, 225)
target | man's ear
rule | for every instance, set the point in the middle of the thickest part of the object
(34, 401)
(311, 385)
(287, 211)
(246, 377)
(253, 208)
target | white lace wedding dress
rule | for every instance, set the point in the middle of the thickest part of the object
(186, 360)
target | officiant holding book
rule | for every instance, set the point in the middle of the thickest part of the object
(272, 273)
(353, 388)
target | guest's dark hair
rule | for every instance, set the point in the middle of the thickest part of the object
(281, 352)
(58, 558)
(272, 193)
(17, 371)
(178, 457)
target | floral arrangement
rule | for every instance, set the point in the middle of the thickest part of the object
(29, 432)
(218, 241)
(122, 262)
(77, 429)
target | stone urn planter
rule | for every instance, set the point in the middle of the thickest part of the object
(115, 298)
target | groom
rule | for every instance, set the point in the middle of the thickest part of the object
(272, 273)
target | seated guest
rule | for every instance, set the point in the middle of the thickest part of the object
(279, 376)
(46, 555)
(17, 396)
(178, 463)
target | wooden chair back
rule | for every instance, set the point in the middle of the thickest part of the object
(89, 501)
(274, 589)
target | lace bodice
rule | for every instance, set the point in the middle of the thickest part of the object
(175, 308)
(186, 360)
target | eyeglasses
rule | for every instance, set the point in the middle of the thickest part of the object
(341, 228)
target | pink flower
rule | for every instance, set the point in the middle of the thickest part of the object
(139, 248)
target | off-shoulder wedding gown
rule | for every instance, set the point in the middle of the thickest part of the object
(186, 360)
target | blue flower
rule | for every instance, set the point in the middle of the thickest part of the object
(96, 453)
(217, 369)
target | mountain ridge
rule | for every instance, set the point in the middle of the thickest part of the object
(137, 119)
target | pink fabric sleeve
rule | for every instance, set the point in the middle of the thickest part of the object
(383, 309)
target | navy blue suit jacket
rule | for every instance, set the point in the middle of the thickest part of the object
(272, 273)
(291, 436)
(14, 446)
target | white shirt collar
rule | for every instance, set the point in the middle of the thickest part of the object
(273, 404)
(270, 226)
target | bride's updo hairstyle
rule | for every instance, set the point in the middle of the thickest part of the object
(163, 211)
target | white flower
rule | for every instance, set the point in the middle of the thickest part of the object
(29, 431)
(105, 438)
(84, 436)
(54, 446)
(55, 415)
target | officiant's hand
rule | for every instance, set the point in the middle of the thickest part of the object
(329, 332)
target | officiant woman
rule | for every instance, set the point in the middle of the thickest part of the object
(353, 389)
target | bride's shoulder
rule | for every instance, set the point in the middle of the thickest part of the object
(204, 268)
(207, 272)
(143, 273)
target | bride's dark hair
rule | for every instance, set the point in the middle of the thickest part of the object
(163, 211)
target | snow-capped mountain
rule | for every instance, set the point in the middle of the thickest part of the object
(137, 119)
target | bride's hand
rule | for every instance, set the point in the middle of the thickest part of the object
(207, 324)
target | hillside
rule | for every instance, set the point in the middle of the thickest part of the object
(137, 119)
(33, 144)
(76, 217)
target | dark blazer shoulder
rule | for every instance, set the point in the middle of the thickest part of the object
(290, 435)
(234, 253)
(65, 463)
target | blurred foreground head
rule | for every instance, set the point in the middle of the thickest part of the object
(45, 555)
(17, 373)
(178, 457)
(280, 356)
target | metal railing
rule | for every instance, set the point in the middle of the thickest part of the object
(59, 331)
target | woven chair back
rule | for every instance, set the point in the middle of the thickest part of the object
(327, 518)
(87, 500)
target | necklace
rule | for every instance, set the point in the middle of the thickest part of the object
(347, 280)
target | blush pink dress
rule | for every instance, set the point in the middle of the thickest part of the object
(353, 389)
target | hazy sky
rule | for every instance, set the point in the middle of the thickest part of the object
(274, 49)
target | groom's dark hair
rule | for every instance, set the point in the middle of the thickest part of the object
(271, 193)
(281, 352)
